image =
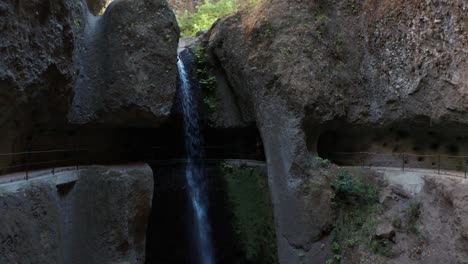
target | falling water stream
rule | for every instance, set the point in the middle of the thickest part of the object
(193, 172)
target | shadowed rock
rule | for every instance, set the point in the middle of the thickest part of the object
(101, 217)
(128, 67)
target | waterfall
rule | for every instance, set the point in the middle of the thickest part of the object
(193, 172)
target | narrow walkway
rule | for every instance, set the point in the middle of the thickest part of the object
(412, 179)
(428, 172)
(20, 176)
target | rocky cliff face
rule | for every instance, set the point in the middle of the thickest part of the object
(62, 70)
(300, 67)
(128, 65)
(37, 70)
(118, 69)
(100, 217)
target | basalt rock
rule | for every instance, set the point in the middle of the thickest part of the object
(37, 70)
(99, 217)
(128, 66)
(297, 67)
(60, 65)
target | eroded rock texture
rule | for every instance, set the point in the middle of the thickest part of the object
(298, 67)
(37, 70)
(128, 65)
(444, 216)
(60, 65)
(100, 218)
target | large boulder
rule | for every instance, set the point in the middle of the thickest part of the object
(94, 215)
(128, 67)
(47, 48)
(297, 67)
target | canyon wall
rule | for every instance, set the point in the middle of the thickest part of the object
(69, 80)
(300, 68)
(96, 215)
(37, 69)
(67, 75)
(127, 66)
(60, 65)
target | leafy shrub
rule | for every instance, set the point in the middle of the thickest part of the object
(355, 200)
(336, 247)
(207, 13)
(353, 191)
(207, 80)
(323, 162)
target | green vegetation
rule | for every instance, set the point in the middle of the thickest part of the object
(412, 212)
(97, 8)
(354, 7)
(355, 200)
(354, 190)
(207, 80)
(207, 13)
(249, 197)
(323, 162)
(77, 22)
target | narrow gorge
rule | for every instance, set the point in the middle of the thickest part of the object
(233, 131)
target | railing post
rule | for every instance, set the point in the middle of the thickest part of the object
(403, 163)
(75, 154)
(27, 165)
(438, 170)
(466, 163)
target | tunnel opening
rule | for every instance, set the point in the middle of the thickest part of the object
(398, 145)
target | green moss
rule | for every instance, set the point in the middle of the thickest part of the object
(355, 200)
(249, 197)
(207, 81)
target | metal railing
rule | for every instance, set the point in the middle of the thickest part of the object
(28, 161)
(441, 164)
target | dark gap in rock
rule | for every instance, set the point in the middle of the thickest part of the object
(362, 141)
(44, 11)
(64, 189)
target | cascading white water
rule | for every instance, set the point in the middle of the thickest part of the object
(193, 172)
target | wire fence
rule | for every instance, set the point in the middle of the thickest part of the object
(28, 161)
(437, 163)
